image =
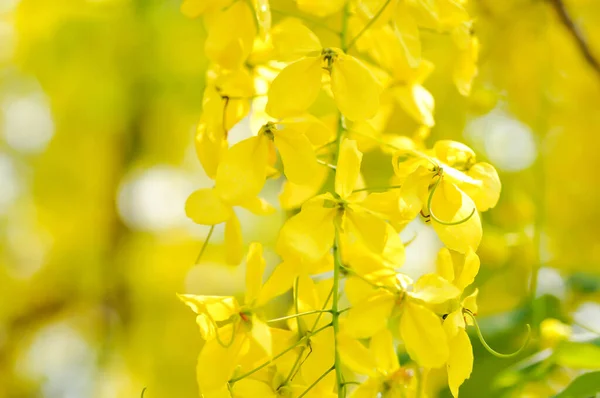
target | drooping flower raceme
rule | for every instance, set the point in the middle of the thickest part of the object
(330, 97)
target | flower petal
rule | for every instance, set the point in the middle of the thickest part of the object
(243, 170)
(308, 235)
(255, 268)
(355, 355)
(295, 88)
(297, 155)
(433, 289)
(355, 90)
(450, 204)
(384, 351)
(348, 168)
(370, 316)
(423, 336)
(204, 207)
(460, 361)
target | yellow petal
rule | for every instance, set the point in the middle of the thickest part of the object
(255, 268)
(322, 356)
(293, 195)
(357, 290)
(414, 192)
(369, 389)
(297, 155)
(384, 351)
(250, 388)
(408, 34)
(445, 265)
(243, 170)
(433, 289)
(417, 102)
(370, 316)
(231, 36)
(210, 149)
(369, 229)
(220, 308)
(348, 168)
(293, 40)
(423, 336)
(355, 355)
(233, 241)
(261, 335)
(295, 88)
(258, 206)
(450, 204)
(280, 281)
(204, 207)
(470, 302)
(487, 192)
(453, 323)
(460, 361)
(465, 69)
(320, 8)
(464, 266)
(455, 154)
(307, 235)
(262, 10)
(355, 90)
(217, 363)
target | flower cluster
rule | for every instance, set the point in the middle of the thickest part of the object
(328, 100)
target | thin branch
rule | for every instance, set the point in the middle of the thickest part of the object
(565, 18)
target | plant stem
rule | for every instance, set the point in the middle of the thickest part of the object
(367, 26)
(203, 249)
(282, 353)
(283, 318)
(316, 382)
(376, 189)
(337, 267)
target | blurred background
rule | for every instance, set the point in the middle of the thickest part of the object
(99, 100)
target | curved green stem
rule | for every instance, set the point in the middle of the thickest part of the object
(143, 392)
(433, 216)
(490, 349)
(205, 244)
(368, 25)
(218, 336)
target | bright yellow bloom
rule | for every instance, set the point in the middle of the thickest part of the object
(387, 378)
(308, 236)
(231, 33)
(460, 269)
(232, 330)
(296, 87)
(448, 188)
(211, 206)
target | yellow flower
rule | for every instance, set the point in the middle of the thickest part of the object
(387, 378)
(308, 236)
(296, 87)
(232, 330)
(231, 31)
(320, 8)
(448, 188)
(211, 206)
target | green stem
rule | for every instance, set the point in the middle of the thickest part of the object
(337, 267)
(297, 363)
(490, 349)
(282, 353)
(205, 244)
(283, 318)
(433, 216)
(297, 305)
(316, 382)
(377, 189)
(367, 26)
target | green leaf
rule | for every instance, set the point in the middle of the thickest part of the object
(578, 355)
(586, 385)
